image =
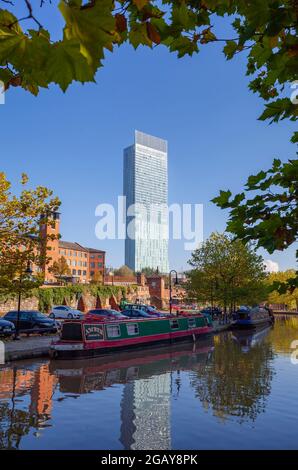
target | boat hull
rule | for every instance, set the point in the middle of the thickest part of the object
(251, 324)
(77, 350)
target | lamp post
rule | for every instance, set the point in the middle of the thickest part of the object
(111, 274)
(170, 285)
(28, 273)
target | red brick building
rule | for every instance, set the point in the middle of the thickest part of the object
(84, 263)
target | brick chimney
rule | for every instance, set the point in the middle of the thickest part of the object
(141, 279)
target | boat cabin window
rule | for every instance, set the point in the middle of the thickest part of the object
(113, 331)
(71, 331)
(174, 324)
(132, 329)
(192, 323)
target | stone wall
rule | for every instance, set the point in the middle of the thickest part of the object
(27, 304)
(152, 291)
(86, 302)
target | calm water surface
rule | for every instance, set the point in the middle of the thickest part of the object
(234, 391)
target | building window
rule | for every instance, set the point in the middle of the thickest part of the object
(92, 256)
(74, 263)
(192, 323)
(92, 265)
(174, 324)
(113, 331)
(84, 273)
(99, 256)
(92, 273)
(132, 329)
(99, 265)
(70, 253)
(79, 272)
(74, 253)
(74, 272)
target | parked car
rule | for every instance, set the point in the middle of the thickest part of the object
(63, 311)
(215, 311)
(146, 308)
(7, 328)
(153, 311)
(136, 313)
(32, 321)
(105, 314)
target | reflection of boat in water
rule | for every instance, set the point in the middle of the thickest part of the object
(248, 339)
(253, 317)
(98, 373)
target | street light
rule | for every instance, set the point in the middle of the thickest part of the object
(170, 285)
(111, 274)
(27, 273)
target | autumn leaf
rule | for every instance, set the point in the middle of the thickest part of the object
(121, 24)
(153, 34)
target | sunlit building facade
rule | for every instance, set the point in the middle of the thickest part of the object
(145, 185)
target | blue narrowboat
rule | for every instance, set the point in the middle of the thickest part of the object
(253, 317)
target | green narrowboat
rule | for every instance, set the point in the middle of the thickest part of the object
(92, 338)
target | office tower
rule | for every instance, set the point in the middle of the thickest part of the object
(145, 185)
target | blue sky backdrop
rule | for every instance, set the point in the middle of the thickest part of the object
(73, 142)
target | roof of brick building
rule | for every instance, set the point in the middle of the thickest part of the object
(78, 247)
(71, 246)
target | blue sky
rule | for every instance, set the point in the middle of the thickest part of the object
(73, 142)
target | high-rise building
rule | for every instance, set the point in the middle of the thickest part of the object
(145, 185)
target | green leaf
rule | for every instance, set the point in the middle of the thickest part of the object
(12, 44)
(183, 46)
(5, 75)
(223, 199)
(138, 35)
(294, 138)
(255, 179)
(278, 110)
(92, 28)
(230, 49)
(66, 63)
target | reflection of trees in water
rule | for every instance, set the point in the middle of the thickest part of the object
(15, 424)
(284, 332)
(235, 383)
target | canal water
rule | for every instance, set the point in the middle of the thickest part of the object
(234, 391)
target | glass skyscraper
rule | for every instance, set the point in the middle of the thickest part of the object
(145, 185)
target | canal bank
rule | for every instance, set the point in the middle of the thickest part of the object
(38, 346)
(28, 348)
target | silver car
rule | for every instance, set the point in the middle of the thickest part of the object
(65, 312)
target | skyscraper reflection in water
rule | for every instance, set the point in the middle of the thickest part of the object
(146, 413)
